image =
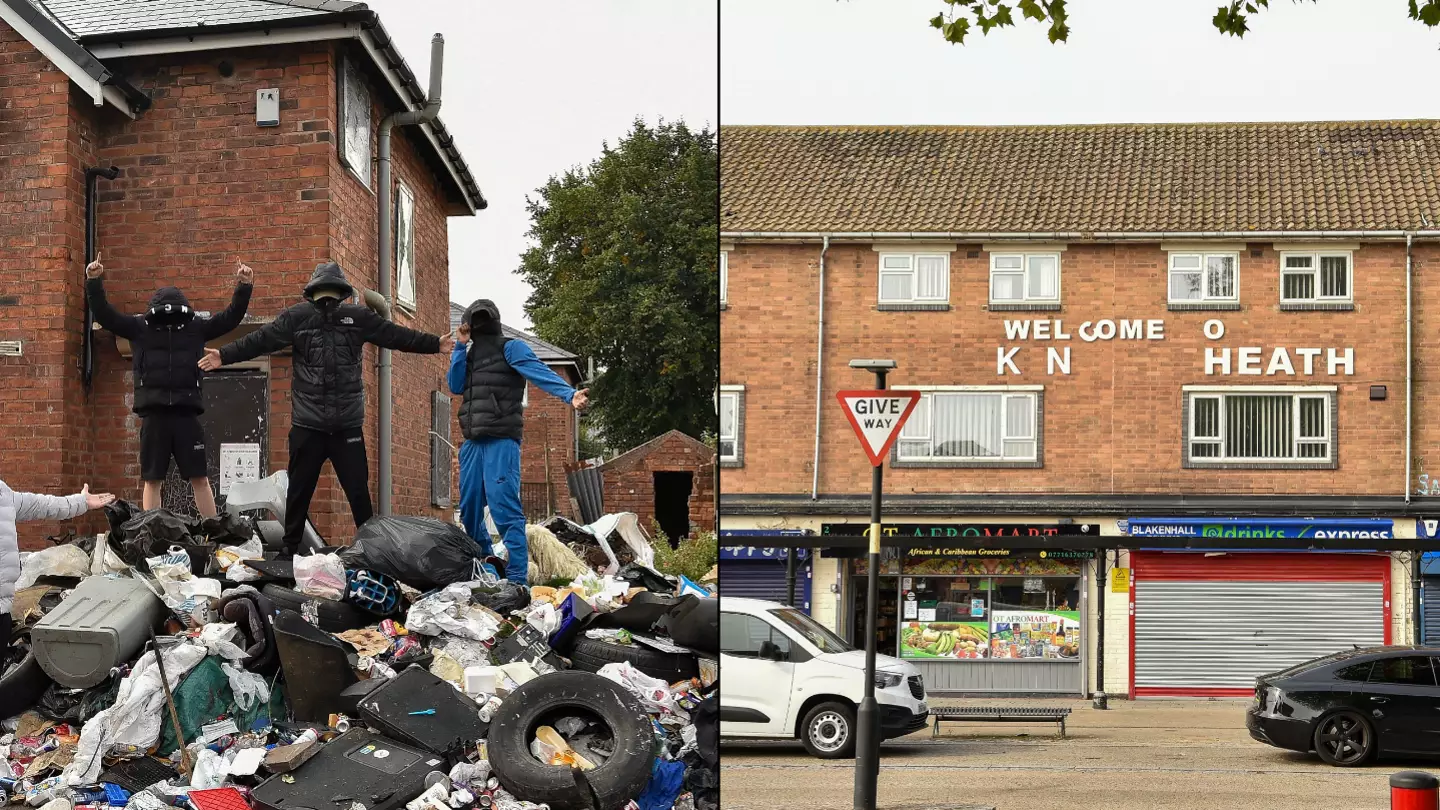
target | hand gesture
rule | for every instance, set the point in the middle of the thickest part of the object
(211, 360)
(244, 273)
(462, 335)
(447, 344)
(96, 501)
(581, 399)
(95, 269)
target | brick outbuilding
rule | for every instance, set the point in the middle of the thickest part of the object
(668, 482)
(241, 129)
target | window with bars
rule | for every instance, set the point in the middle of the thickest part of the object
(1204, 278)
(440, 456)
(1019, 278)
(1314, 277)
(972, 426)
(1260, 426)
(731, 404)
(914, 278)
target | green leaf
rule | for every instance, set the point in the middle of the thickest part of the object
(955, 31)
(938, 21)
(1031, 9)
(1430, 13)
(1002, 15)
(1059, 32)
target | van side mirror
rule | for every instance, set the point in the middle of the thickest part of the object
(770, 652)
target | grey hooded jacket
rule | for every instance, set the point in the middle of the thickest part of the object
(18, 506)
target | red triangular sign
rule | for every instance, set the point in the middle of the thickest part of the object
(877, 417)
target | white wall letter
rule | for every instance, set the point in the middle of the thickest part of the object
(1155, 330)
(1017, 330)
(1105, 330)
(1042, 330)
(1002, 359)
(1212, 360)
(1250, 360)
(1280, 361)
(1309, 355)
(1334, 360)
(1130, 330)
(1085, 333)
(1214, 329)
(1060, 333)
(1054, 358)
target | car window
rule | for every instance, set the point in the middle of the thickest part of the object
(741, 635)
(1359, 673)
(1409, 670)
(812, 631)
(1316, 663)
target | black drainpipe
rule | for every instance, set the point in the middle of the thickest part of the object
(87, 350)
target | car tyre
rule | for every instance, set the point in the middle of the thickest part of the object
(828, 731)
(1344, 739)
(590, 654)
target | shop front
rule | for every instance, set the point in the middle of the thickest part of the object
(975, 619)
(762, 573)
(1206, 623)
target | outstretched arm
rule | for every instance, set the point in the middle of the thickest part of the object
(29, 506)
(268, 339)
(230, 318)
(391, 335)
(522, 358)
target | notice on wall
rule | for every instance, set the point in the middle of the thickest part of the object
(905, 583)
(927, 614)
(910, 608)
(239, 462)
(1119, 580)
(977, 608)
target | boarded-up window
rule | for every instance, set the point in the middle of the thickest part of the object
(439, 449)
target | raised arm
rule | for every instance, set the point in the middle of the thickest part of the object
(230, 318)
(391, 335)
(125, 326)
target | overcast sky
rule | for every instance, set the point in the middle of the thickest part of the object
(532, 89)
(878, 61)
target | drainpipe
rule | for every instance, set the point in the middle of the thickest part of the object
(397, 119)
(87, 350)
(819, 373)
(1409, 397)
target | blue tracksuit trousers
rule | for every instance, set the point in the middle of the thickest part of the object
(490, 475)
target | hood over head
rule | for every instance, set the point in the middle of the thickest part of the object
(328, 276)
(483, 317)
(168, 307)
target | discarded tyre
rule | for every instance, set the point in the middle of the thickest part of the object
(590, 654)
(615, 782)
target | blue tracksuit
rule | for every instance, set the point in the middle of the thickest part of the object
(490, 468)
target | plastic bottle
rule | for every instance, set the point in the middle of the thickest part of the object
(310, 735)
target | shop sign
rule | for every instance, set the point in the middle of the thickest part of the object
(1427, 529)
(758, 553)
(1120, 580)
(1256, 528)
(922, 531)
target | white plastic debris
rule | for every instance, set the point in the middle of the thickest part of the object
(450, 611)
(653, 693)
(57, 561)
(320, 575)
(250, 689)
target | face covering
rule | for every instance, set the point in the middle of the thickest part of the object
(484, 325)
(325, 298)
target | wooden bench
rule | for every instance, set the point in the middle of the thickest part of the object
(998, 714)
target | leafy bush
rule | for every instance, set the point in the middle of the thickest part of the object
(694, 558)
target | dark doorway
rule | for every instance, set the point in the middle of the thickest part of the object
(237, 411)
(672, 504)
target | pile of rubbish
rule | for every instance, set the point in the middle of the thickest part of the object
(177, 663)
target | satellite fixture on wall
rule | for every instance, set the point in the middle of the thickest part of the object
(10, 348)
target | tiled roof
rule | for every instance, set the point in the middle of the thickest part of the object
(1347, 175)
(90, 18)
(547, 352)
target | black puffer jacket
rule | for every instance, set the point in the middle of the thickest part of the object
(168, 341)
(327, 382)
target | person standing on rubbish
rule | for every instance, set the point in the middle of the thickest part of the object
(18, 506)
(327, 391)
(168, 341)
(490, 371)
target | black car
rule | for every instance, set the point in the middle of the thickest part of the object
(1351, 706)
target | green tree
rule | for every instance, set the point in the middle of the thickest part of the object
(1231, 18)
(625, 270)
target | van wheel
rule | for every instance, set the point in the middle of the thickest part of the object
(829, 731)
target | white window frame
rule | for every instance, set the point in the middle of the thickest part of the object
(914, 273)
(405, 246)
(736, 393)
(1326, 394)
(724, 273)
(1024, 273)
(1205, 296)
(355, 123)
(1005, 392)
(1314, 272)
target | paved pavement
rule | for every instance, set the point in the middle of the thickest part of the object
(1155, 755)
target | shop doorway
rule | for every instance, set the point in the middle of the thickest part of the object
(672, 504)
(237, 411)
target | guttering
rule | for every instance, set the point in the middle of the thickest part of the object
(1409, 366)
(216, 39)
(1092, 236)
(72, 59)
(819, 373)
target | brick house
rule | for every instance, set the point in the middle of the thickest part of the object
(552, 431)
(1174, 360)
(667, 482)
(240, 129)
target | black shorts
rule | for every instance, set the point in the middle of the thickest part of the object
(167, 435)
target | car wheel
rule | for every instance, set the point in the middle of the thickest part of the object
(1344, 738)
(829, 731)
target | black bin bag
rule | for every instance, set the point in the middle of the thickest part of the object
(421, 552)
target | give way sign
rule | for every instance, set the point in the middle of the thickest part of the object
(877, 417)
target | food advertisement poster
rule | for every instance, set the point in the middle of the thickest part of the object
(945, 640)
(1035, 634)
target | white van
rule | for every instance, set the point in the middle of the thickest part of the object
(787, 677)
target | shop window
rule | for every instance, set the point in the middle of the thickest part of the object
(914, 280)
(1412, 670)
(979, 427)
(1024, 278)
(1204, 280)
(732, 425)
(742, 636)
(1260, 427)
(983, 617)
(1315, 279)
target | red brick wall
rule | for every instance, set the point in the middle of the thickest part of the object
(629, 481)
(1114, 424)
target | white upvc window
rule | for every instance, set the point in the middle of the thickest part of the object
(405, 246)
(1022, 278)
(724, 273)
(1204, 277)
(972, 423)
(1315, 277)
(1269, 425)
(914, 278)
(731, 401)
